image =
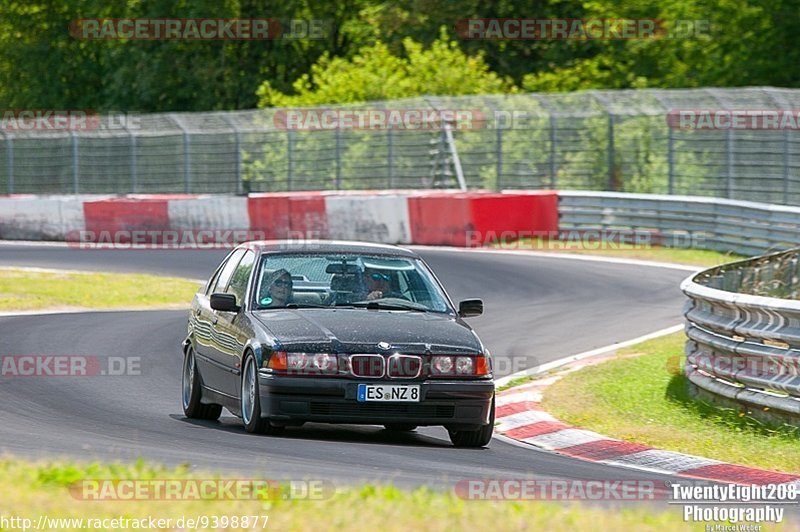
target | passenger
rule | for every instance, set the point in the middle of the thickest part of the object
(276, 290)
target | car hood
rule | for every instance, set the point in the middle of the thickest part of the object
(361, 330)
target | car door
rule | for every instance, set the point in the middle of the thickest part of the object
(234, 327)
(207, 332)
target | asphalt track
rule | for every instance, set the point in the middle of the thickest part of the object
(537, 310)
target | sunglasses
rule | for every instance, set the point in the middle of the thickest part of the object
(285, 284)
(380, 277)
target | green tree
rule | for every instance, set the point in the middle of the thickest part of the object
(375, 73)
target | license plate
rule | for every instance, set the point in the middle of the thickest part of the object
(388, 392)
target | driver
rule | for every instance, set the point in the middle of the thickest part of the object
(379, 284)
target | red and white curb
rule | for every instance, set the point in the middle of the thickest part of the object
(519, 416)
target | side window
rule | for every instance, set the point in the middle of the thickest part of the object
(227, 271)
(240, 277)
(213, 281)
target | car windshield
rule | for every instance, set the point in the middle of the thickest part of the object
(347, 280)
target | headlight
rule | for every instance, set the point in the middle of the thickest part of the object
(296, 361)
(324, 362)
(464, 366)
(441, 365)
(459, 366)
(301, 364)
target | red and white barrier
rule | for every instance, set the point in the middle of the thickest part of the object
(404, 217)
(29, 217)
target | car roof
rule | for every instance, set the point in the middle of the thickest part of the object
(327, 246)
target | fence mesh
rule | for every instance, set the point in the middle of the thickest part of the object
(591, 140)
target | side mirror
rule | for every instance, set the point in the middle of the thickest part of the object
(224, 302)
(470, 308)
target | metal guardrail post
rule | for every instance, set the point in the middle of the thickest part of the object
(9, 142)
(553, 178)
(499, 157)
(290, 158)
(75, 184)
(132, 156)
(462, 184)
(390, 155)
(134, 164)
(187, 160)
(612, 185)
(729, 164)
(786, 167)
(237, 146)
(671, 161)
(338, 134)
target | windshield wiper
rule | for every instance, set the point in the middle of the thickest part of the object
(306, 305)
(377, 305)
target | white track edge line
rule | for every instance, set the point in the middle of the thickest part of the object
(586, 354)
(567, 256)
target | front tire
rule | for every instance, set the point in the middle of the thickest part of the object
(251, 402)
(192, 394)
(474, 438)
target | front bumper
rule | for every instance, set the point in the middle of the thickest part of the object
(455, 404)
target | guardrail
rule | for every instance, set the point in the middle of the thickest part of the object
(743, 329)
(742, 318)
(742, 227)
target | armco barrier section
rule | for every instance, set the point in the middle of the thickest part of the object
(443, 218)
(742, 227)
(743, 342)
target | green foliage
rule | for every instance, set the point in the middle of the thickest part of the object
(735, 43)
(373, 50)
(375, 73)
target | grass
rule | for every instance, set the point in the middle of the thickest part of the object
(34, 489)
(691, 257)
(641, 396)
(34, 290)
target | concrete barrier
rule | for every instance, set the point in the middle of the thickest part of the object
(32, 217)
(396, 217)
